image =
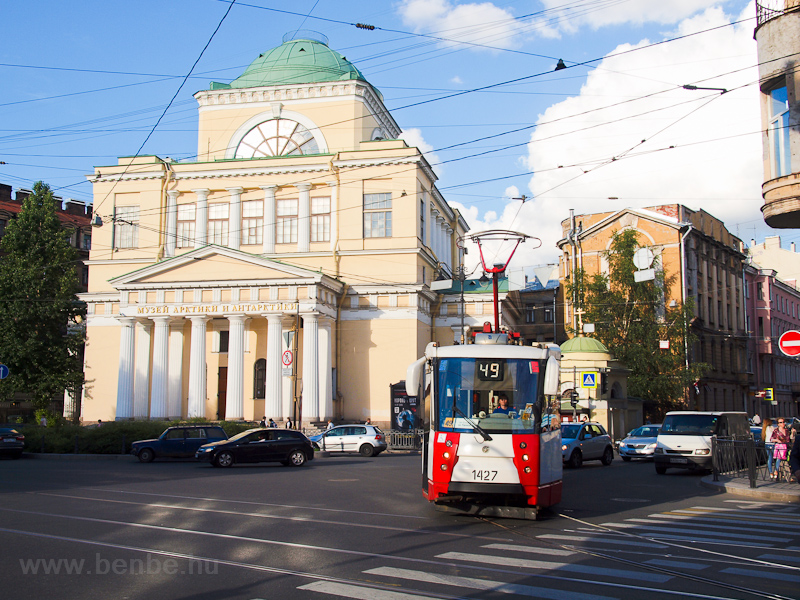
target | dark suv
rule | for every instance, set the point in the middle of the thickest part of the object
(178, 442)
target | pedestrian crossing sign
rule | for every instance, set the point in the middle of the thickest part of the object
(589, 380)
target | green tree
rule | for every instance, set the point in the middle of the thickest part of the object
(631, 320)
(39, 339)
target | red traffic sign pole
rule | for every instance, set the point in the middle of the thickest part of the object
(789, 343)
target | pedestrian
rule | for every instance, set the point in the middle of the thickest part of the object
(766, 435)
(781, 437)
(43, 421)
(330, 425)
(272, 423)
(756, 420)
(368, 421)
(263, 421)
(288, 423)
(794, 455)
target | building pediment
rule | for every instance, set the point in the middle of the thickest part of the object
(217, 266)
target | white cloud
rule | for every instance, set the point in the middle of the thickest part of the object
(413, 137)
(456, 80)
(638, 12)
(709, 168)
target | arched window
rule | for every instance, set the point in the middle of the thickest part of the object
(260, 379)
(277, 137)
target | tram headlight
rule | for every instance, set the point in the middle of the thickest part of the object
(446, 455)
(527, 469)
(525, 457)
(523, 445)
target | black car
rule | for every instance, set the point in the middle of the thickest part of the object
(286, 446)
(178, 442)
(11, 442)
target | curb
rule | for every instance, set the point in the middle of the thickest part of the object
(39, 455)
(747, 491)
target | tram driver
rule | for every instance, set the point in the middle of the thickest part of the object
(502, 405)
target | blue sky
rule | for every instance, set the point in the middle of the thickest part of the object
(86, 82)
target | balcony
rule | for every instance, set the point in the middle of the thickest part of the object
(767, 10)
(781, 207)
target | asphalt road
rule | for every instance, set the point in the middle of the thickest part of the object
(358, 528)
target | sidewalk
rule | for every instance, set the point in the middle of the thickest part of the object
(768, 491)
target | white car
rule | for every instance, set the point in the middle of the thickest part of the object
(367, 440)
(640, 443)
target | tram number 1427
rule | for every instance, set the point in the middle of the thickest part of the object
(478, 475)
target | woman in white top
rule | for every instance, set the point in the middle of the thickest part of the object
(766, 437)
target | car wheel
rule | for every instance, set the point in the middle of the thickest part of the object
(626, 458)
(297, 458)
(575, 460)
(223, 459)
(146, 455)
(661, 470)
(608, 456)
(367, 450)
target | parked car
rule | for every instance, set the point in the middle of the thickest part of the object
(286, 446)
(585, 441)
(640, 443)
(11, 442)
(177, 442)
(367, 440)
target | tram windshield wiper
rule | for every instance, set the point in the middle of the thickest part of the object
(475, 427)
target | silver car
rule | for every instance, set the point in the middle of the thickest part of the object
(640, 443)
(367, 440)
(585, 441)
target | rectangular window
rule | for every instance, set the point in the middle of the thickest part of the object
(126, 221)
(252, 222)
(224, 340)
(186, 222)
(377, 215)
(548, 315)
(759, 290)
(530, 313)
(778, 132)
(87, 241)
(286, 225)
(218, 223)
(321, 219)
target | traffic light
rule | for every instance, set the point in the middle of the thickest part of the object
(603, 384)
(573, 398)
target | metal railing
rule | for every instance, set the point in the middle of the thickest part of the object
(404, 440)
(739, 459)
(771, 9)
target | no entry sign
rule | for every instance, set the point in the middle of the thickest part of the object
(789, 343)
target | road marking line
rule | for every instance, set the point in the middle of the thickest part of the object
(722, 534)
(677, 564)
(360, 593)
(763, 574)
(554, 566)
(530, 549)
(748, 522)
(780, 557)
(603, 540)
(484, 584)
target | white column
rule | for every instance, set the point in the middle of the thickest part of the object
(427, 240)
(287, 389)
(334, 214)
(201, 218)
(141, 388)
(175, 386)
(234, 403)
(235, 218)
(269, 218)
(439, 238)
(159, 383)
(448, 254)
(310, 367)
(171, 234)
(325, 372)
(273, 406)
(197, 368)
(304, 217)
(125, 376)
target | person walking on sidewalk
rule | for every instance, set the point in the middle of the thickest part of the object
(781, 437)
(766, 437)
(794, 456)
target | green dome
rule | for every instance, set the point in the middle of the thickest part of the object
(583, 344)
(296, 61)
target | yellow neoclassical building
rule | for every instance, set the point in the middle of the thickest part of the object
(286, 272)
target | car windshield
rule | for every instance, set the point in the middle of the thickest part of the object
(570, 431)
(647, 432)
(689, 425)
(239, 436)
(498, 395)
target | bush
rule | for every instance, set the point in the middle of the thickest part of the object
(107, 438)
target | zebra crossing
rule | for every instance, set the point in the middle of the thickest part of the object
(697, 552)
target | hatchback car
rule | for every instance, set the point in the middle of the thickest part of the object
(11, 442)
(286, 446)
(367, 440)
(585, 441)
(178, 442)
(640, 443)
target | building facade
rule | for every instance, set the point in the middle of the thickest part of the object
(703, 264)
(286, 272)
(777, 36)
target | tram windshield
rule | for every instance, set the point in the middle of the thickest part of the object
(499, 395)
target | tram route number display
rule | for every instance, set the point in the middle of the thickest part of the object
(483, 475)
(490, 369)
